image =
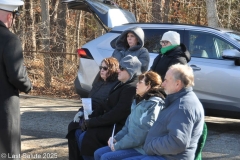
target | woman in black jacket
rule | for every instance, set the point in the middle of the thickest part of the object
(106, 80)
(172, 52)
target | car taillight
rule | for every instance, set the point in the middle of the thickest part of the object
(81, 53)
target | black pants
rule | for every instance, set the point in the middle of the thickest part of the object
(73, 151)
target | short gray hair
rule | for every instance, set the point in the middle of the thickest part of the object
(184, 73)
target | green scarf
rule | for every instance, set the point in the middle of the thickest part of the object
(168, 48)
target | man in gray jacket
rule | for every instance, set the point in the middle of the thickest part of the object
(176, 132)
(13, 78)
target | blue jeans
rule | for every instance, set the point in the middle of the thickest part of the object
(105, 153)
(145, 157)
(79, 137)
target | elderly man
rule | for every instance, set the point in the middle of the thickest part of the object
(13, 78)
(176, 132)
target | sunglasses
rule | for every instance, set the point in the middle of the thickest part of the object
(103, 67)
(14, 12)
(164, 42)
(121, 68)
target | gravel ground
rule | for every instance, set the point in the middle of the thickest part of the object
(44, 124)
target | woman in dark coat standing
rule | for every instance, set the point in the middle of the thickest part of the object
(115, 111)
(131, 42)
(172, 52)
(13, 78)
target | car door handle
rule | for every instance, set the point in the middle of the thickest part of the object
(195, 68)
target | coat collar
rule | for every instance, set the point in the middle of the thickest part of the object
(2, 24)
(172, 97)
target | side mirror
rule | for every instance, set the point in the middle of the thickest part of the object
(232, 54)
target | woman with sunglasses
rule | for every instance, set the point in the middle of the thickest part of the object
(107, 78)
(144, 112)
(131, 42)
(172, 52)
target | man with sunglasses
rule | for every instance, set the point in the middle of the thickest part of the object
(172, 52)
(14, 79)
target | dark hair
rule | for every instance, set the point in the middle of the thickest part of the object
(113, 65)
(154, 80)
(151, 78)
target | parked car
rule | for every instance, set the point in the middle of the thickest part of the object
(215, 56)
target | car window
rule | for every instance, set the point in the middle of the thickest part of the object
(153, 37)
(206, 45)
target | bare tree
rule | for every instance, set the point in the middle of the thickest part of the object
(212, 17)
(157, 10)
(61, 35)
(30, 32)
(166, 10)
(45, 33)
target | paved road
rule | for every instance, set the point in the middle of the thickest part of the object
(45, 120)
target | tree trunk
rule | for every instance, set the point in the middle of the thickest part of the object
(212, 17)
(157, 10)
(166, 10)
(30, 41)
(46, 41)
(61, 35)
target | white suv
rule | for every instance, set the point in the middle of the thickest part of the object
(215, 56)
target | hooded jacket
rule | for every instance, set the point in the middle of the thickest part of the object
(162, 62)
(132, 65)
(122, 47)
(114, 111)
(142, 117)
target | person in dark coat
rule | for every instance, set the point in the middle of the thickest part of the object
(13, 79)
(115, 111)
(106, 80)
(172, 52)
(131, 42)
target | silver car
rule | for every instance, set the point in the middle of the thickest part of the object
(215, 56)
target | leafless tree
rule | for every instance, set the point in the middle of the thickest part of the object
(212, 17)
(46, 41)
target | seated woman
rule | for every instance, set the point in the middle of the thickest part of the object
(114, 111)
(144, 111)
(106, 80)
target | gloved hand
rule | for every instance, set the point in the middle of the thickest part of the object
(78, 116)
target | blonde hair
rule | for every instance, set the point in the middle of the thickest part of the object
(184, 73)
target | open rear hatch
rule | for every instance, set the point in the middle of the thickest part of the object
(107, 12)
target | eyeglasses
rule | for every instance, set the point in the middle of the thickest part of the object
(103, 67)
(15, 13)
(121, 68)
(164, 42)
